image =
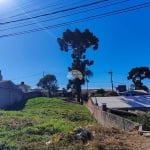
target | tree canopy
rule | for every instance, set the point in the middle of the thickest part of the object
(137, 75)
(78, 42)
(48, 82)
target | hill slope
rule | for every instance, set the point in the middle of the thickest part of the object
(41, 119)
(45, 119)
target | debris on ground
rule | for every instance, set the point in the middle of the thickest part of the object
(82, 134)
(99, 138)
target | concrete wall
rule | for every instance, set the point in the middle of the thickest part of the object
(9, 97)
(32, 95)
(110, 120)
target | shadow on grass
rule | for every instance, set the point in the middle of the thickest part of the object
(21, 104)
(17, 106)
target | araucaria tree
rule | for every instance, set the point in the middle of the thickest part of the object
(137, 75)
(49, 82)
(78, 42)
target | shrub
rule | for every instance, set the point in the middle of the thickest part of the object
(143, 119)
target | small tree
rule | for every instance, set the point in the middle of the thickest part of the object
(137, 75)
(49, 83)
(78, 42)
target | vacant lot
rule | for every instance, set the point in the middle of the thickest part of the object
(45, 119)
(41, 119)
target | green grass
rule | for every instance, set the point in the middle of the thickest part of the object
(40, 120)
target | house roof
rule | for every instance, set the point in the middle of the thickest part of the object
(133, 93)
(122, 102)
(7, 84)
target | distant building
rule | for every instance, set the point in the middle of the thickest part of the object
(9, 94)
(1, 77)
(141, 102)
(121, 88)
(24, 87)
(133, 93)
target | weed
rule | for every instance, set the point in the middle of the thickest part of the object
(40, 120)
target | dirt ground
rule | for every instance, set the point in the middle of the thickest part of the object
(102, 138)
(114, 139)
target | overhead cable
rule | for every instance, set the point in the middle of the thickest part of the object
(115, 12)
(52, 13)
(64, 16)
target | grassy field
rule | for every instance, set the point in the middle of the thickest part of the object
(39, 121)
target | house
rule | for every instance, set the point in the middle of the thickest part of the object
(121, 88)
(24, 87)
(9, 94)
(141, 102)
(133, 93)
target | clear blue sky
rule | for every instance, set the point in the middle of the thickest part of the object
(124, 40)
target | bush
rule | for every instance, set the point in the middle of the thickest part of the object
(84, 97)
(100, 93)
(143, 119)
(111, 93)
(103, 93)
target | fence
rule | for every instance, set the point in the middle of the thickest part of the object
(32, 95)
(110, 120)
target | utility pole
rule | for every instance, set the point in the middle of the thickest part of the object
(87, 81)
(43, 74)
(111, 81)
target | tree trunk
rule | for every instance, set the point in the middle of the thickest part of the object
(78, 89)
(49, 93)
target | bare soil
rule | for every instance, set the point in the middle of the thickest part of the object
(114, 139)
(104, 139)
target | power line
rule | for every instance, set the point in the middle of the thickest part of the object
(115, 12)
(24, 23)
(74, 13)
(17, 8)
(28, 76)
(52, 13)
(46, 7)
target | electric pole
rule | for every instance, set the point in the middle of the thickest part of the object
(111, 81)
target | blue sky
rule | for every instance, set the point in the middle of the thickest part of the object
(124, 44)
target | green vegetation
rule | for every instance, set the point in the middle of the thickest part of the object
(49, 82)
(41, 120)
(78, 42)
(137, 75)
(143, 119)
(103, 93)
